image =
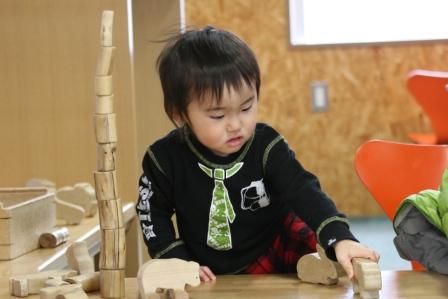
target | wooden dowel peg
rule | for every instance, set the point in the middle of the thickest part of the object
(105, 104)
(105, 128)
(105, 185)
(113, 249)
(107, 20)
(54, 238)
(105, 63)
(106, 155)
(103, 85)
(112, 283)
(111, 215)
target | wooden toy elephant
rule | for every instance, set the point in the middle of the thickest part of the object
(166, 274)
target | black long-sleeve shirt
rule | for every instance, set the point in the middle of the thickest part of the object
(229, 209)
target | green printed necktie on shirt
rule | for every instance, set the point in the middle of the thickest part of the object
(221, 209)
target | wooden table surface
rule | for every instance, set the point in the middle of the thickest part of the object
(400, 284)
(54, 258)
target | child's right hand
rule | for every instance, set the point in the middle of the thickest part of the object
(206, 274)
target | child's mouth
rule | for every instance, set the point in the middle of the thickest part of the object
(233, 142)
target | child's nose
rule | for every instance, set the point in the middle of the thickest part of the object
(234, 123)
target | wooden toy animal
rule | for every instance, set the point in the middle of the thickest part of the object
(317, 268)
(166, 274)
(367, 281)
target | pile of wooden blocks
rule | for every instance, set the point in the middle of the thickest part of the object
(61, 284)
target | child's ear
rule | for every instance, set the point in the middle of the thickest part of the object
(178, 120)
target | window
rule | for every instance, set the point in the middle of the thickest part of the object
(321, 22)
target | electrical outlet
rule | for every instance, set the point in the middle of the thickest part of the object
(319, 96)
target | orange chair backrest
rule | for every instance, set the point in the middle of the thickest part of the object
(391, 171)
(430, 90)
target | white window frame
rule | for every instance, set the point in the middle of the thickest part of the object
(305, 29)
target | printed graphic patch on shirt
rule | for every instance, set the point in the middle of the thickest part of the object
(221, 214)
(148, 231)
(331, 241)
(254, 196)
(143, 207)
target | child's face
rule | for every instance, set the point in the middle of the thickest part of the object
(226, 127)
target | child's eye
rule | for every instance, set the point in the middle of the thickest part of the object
(247, 108)
(216, 116)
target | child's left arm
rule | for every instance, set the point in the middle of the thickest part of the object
(346, 250)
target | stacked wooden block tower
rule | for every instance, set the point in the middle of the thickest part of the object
(113, 249)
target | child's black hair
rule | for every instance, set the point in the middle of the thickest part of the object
(204, 60)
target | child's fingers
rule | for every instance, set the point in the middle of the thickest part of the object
(346, 264)
(206, 274)
(371, 255)
(376, 256)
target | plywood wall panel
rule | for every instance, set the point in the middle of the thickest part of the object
(368, 98)
(48, 59)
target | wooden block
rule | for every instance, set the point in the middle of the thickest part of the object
(112, 283)
(88, 199)
(11, 286)
(111, 214)
(166, 274)
(113, 249)
(5, 227)
(77, 294)
(25, 285)
(19, 288)
(78, 258)
(36, 182)
(317, 268)
(106, 155)
(105, 62)
(55, 282)
(106, 185)
(15, 196)
(54, 291)
(71, 213)
(105, 104)
(107, 20)
(20, 225)
(54, 237)
(367, 281)
(81, 194)
(103, 85)
(105, 128)
(90, 282)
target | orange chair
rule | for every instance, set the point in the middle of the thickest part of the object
(391, 171)
(430, 90)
